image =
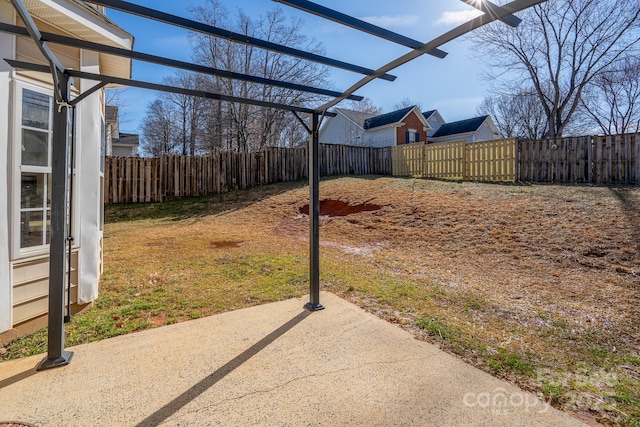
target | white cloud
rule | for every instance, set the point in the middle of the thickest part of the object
(457, 17)
(392, 21)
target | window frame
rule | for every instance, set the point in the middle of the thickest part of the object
(17, 250)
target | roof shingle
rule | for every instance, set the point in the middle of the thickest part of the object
(461, 126)
(386, 119)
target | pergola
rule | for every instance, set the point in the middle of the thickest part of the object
(63, 79)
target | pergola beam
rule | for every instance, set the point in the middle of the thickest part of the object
(200, 27)
(162, 88)
(97, 47)
(35, 34)
(506, 10)
(358, 24)
(489, 8)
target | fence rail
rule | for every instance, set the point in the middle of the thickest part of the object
(138, 180)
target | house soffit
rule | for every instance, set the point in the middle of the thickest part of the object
(76, 19)
(79, 21)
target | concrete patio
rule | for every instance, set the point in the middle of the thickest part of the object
(274, 364)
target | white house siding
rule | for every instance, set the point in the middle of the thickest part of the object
(7, 44)
(468, 137)
(90, 122)
(383, 137)
(124, 151)
(340, 130)
(434, 123)
(485, 133)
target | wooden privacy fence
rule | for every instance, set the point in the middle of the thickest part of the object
(489, 161)
(138, 180)
(612, 159)
(408, 160)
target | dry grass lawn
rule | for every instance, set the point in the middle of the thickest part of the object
(536, 284)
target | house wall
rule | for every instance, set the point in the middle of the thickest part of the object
(380, 137)
(434, 123)
(468, 137)
(7, 44)
(126, 150)
(410, 122)
(341, 130)
(24, 276)
(485, 133)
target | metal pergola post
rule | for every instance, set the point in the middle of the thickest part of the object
(56, 355)
(314, 215)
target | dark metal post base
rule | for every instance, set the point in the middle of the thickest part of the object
(313, 307)
(57, 362)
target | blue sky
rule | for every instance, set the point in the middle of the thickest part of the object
(452, 85)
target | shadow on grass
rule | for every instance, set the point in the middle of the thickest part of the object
(631, 206)
(193, 207)
(209, 381)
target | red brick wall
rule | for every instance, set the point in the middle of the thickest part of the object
(411, 122)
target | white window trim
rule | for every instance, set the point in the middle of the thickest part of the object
(17, 168)
(412, 136)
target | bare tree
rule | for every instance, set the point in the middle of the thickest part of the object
(559, 48)
(364, 106)
(248, 127)
(159, 129)
(115, 97)
(407, 102)
(187, 109)
(612, 101)
(520, 115)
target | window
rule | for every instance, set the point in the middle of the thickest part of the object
(412, 136)
(35, 134)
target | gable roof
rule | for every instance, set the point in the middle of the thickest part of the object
(428, 114)
(388, 118)
(358, 117)
(461, 126)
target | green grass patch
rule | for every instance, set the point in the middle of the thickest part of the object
(506, 362)
(434, 328)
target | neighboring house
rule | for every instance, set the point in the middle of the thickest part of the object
(26, 106)
(403, 126)
(434, 119)
(471, 130)
(119, 143)
(345, 128)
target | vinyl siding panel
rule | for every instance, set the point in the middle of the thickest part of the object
(341, 130)
(381, 137)
(31, 287)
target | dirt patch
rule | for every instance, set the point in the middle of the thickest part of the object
(332, 208)
(225, 244)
